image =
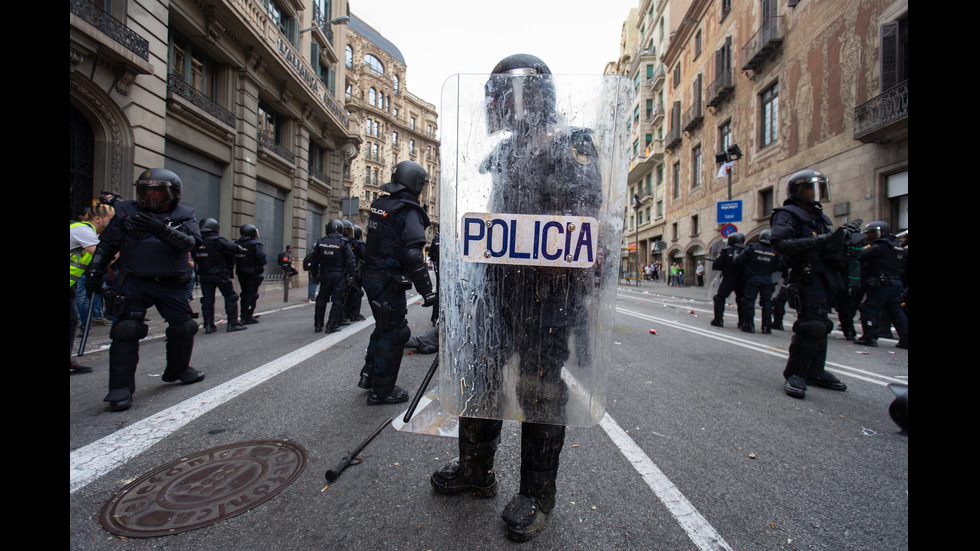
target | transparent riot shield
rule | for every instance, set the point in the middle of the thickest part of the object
(533, 192)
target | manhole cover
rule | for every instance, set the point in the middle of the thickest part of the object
(203, 488)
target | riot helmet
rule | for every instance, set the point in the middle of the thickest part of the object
(158, 190)
(209, 225)
(876, 229)
(358, 232)
(765, 237)
(736, 239)
(809, 187)
(335, 226)
(348, 228)
(520, 95)
(249, 230)
(408, 175)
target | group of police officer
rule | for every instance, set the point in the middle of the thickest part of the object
(846, 269)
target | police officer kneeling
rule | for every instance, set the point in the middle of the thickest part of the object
(393, 262)
(152, 236)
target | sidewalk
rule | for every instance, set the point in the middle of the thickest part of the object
(272, 299)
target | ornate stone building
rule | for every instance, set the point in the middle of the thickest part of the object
(646, 35)
(238, 97)
(795, 84)
(395, 125)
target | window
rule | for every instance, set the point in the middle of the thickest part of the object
(374, 63)
(765, 202)
(770, 115)
(394, 139)
(372, 96)
(696, 166)
(270, 124)
(349, 57)
(394, 79)
(677, 75)
(281, 19)
(725, 136)
(412, 125)
(316, 157)
(695, 225)
(428, 131)
(193, 67)
(677, 180)
(697, 44)
(411, 147)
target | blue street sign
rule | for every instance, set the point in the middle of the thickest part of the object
(729, 211)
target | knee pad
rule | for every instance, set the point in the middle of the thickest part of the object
(401, 336)
(130, 330)
(182, 330)
(812, 329)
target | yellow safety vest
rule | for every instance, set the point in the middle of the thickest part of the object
(78, 258)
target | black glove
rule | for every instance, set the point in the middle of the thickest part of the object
(93, 283)
(430, 299)
(148, 224)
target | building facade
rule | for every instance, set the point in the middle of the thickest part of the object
(238, 97)
(794, 84)
(394, 124)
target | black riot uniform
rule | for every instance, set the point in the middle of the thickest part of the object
(214, 261)
(731, 278)
(802, 233)
(152, 236)
(434, 256)
(882, 261)
(540, 168)
(393, 262)
(757, 263)
(249, 265)
(332, 259)
(355, 282)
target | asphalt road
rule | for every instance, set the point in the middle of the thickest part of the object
(699, 449)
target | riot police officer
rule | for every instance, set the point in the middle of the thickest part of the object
(802, 233)
(393, 262)
(731, 278)
(249, 264)
(215, 262)
(355, 291)
(152, 235)
(881, 266)
(757, 264)
(332, 259)
(539, 166)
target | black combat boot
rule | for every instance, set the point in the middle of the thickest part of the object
(472, 471)
(528, 511)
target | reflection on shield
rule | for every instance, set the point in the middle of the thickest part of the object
(532, 216)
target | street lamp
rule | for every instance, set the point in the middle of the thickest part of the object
(728, 158)
(342, 20)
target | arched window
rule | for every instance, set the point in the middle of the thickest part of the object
(374, 63)
(372, 96)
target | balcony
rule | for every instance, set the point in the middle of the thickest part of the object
(111, 27)
(644, 161)
(765, 42)
(721, 89)
(693, 117)
(885, 117)
(177, 86)
(673, 139)
(657, 80)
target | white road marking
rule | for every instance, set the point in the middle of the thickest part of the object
(701, 533)
(98, 458)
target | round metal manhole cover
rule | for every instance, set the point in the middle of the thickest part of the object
(203, 488)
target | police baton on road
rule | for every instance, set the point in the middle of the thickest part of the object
(418, 395)
(88, 323)
(351, 458)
